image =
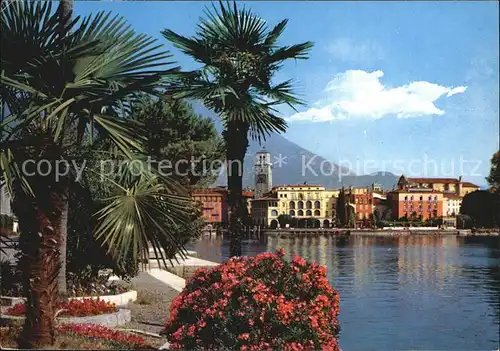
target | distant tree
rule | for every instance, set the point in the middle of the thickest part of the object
(387, 214)
(285, 219)
(376, 216)
(414, 216)
(351, 216)
(481, 206)
(494, 176)
(464, 221)
(341, 208)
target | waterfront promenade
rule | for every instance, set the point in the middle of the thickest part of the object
(378, 232)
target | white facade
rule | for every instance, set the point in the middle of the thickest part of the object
(263, 174)
(451, 205)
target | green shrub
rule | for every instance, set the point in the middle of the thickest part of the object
(10, 280)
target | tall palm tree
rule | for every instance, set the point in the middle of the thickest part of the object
(239, 56)
(65, 12)
(72, 84)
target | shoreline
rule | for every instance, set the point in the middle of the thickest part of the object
(382, 232)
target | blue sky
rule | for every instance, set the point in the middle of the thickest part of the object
(390, 85)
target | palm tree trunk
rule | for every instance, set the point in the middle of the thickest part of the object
(63, 229)
(39, 220)
(65, 10)
(236, 137)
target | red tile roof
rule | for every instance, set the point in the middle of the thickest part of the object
(415, 191)
(298, 186)
(433, 180)
(210, 191)
(452, 196)
(470, 185)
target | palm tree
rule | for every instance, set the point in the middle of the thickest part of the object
(239, 56)
(75, 83)
(65, 12)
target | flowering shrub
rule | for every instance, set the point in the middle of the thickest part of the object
(256, 303)
(96, 331)
(73, 308)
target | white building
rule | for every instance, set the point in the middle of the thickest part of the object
(451, 205)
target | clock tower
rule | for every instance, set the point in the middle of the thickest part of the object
(263, 173)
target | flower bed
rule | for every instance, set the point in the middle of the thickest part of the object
(83, 336)
(256, 303)
(94, 331)
(73, 308)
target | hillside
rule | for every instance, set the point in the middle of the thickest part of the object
(293, 170)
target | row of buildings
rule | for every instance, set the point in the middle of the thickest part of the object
(417, 198)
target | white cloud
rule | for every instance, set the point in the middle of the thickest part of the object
(346, 50)
(361, 94)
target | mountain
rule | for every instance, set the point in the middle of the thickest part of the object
(292, 164)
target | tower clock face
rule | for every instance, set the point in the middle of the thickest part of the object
(261, 178)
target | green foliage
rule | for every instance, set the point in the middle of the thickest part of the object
(482, 207)
(175, 134)
(284, 219)
(464, 222)
(10, 279)
(494, 176)
(239, 56)
(341, 208)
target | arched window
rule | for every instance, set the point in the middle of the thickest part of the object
(317, 204)
(300, 205)
(308, 205)
(292, 213)
(292, 205)
(300, 213)
(274, 213)
(316, 212)
(308, 213)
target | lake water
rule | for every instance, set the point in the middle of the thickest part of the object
(401, 293)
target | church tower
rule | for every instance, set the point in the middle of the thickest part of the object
(263, 173)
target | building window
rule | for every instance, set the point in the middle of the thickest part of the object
(300, 213)
(308, 205)
(274, 213)
(292, 213)
(308, 213)
(316, 212)
(300, 205)
(317, 204)
(292, 205)
(285, 195)
(406, 198)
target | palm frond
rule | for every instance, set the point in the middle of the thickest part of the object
(142, 213)
(240, 55)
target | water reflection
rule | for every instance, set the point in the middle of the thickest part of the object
(399, 293)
